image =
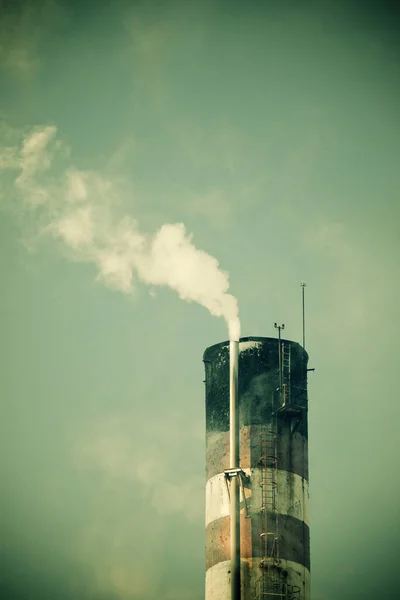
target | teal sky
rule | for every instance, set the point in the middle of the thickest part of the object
(272, 130)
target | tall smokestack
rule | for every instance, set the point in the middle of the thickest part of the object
(234, 464)
(274, 541)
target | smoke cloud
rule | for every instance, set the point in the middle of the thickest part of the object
(78, 208)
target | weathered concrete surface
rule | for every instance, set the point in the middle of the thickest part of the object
(292, 449)
(294, 537)
(218, 579)
(258, 382)
(292, 499)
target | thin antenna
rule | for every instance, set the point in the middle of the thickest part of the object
(303, 285)
(279, 328)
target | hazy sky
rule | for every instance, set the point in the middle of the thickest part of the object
(272, 131)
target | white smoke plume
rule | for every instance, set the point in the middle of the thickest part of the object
(78, 208)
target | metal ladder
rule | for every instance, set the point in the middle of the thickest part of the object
(277, 590)
(286, 373)
(269, 536)
(270, 585)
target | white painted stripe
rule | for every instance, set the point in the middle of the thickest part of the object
(292, 496)
(217, 497)
(218, 579)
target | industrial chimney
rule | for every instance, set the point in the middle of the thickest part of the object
(273, 476)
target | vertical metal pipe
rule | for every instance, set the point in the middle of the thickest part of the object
(234, 464)
(233, 391)
(280, 362)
